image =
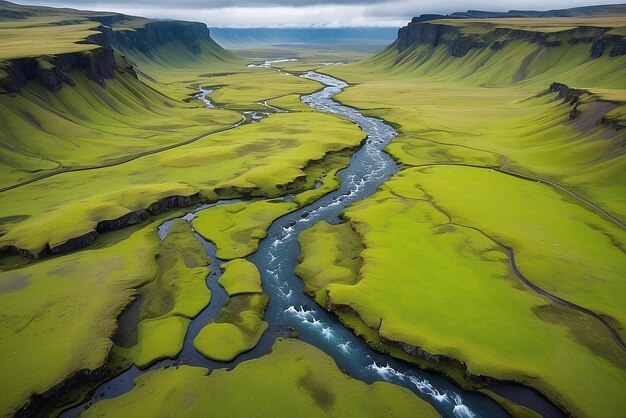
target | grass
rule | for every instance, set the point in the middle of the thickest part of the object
(160, 338)
(323, 242)
(294, 375)
(88, 126)
(472, 309)
(238, 328)
(252, 159)
(177, 294)
(239, 277)
(561, 247)
(237, 229)
(179, 289)
(432, 274)
(58, 315)
(45, 37)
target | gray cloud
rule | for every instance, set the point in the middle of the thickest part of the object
(299, 13)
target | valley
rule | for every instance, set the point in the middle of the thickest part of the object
(435, 227)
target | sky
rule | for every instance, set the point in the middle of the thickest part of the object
(299, 13)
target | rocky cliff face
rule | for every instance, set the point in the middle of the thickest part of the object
(100, 64)
(154, 34)
(427, 30)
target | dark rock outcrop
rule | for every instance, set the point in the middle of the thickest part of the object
(615, 44)
(171, 202)
(597, 48)
(619, 47)
(40, 404)
(97, 64)
(428, 30)
(154, 34)
(131, 218)
(568, 94)
(74, 244)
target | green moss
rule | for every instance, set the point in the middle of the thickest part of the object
(411, 292)
(240, 276)
(294, 379)
(238, 329)
(237, 229)
(58, 315)
(160, 338)
(323, 242)
(179, 288)
(252, 158)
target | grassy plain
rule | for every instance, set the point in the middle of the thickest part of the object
(58, 315)
(292, 380)
(433, 275)
(447, 289)
(262, 159)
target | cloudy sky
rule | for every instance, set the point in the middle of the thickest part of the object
(300, 13)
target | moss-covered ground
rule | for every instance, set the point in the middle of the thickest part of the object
(238, 328)
(435, 272)
(239, 277)
(295, 379)
(57, 316)
(473, 309)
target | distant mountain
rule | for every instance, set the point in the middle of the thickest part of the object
(365, 38)
(585, 11)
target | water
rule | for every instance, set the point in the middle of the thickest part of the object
(203, 96)
(290, 308)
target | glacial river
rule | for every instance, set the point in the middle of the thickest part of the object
(290, 308)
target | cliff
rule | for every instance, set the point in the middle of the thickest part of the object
(460, 34)
(113, 36)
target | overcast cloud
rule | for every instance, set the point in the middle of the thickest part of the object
(298, 13)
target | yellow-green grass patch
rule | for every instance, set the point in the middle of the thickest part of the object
(251, 159)
(58, 315)
(160, 338)
(292, 380)
(323, 242)
(238, 328)
(240, 276)
(448, 289)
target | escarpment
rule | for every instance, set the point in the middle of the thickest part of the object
(53, 71)
(104, 52)
(460, 34)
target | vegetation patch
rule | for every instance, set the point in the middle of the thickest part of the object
(240, 276)
(294, 375)
(58, 315)
(410, 292)
(238, 328)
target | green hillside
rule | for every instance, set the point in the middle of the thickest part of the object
(512, 154)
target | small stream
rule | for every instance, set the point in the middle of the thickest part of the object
(203, 96)
(289, 308)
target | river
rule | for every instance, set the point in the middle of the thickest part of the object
(290, 308)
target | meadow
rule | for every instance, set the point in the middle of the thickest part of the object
(490, 161)
(294, 375)
(90, 153)
(495, 173)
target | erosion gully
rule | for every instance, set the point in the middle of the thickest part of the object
(290, 309)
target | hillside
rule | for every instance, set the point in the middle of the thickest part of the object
(49, 88)
(497, 250)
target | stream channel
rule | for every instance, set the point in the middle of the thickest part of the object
(289, 308)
